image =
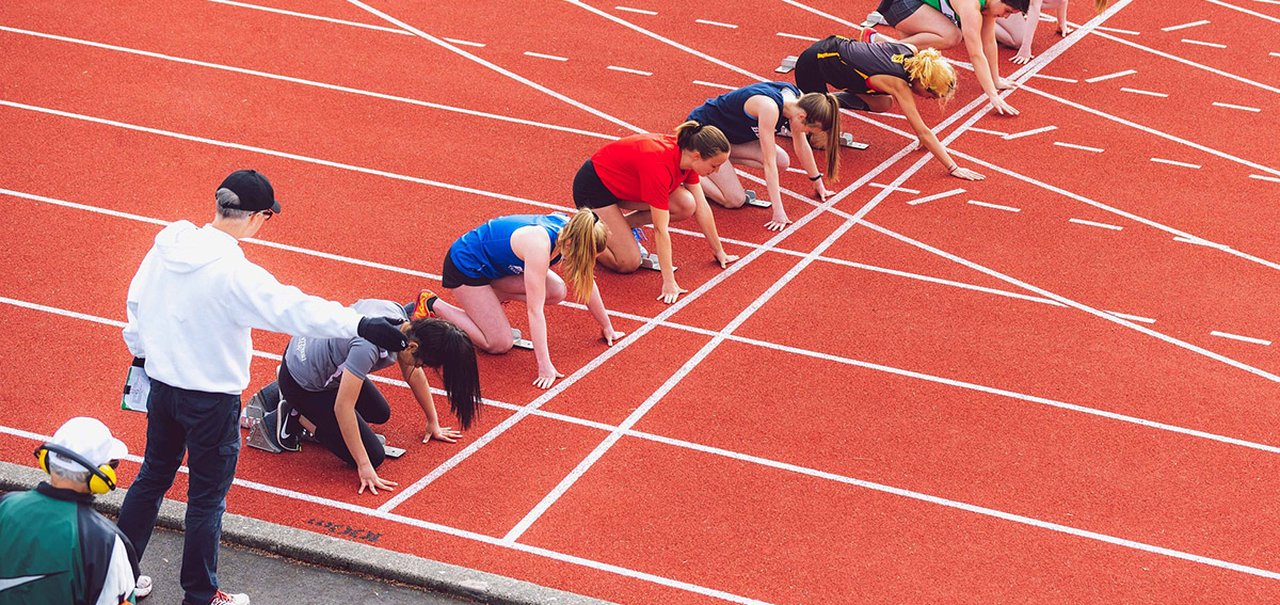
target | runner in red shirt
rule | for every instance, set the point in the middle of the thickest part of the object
(654, 179)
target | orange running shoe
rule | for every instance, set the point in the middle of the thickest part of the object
(422, 308)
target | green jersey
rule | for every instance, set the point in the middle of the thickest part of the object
(54, 548)
(944, 7)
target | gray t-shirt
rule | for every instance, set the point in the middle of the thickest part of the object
(317, 363)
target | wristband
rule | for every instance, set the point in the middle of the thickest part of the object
(953, 169)
(815, 178)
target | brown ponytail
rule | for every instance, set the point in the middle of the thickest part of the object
(1100, 5)
(823, 109)
(580, 240)
(708, 141)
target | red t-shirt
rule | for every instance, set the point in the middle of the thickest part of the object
(642, 168)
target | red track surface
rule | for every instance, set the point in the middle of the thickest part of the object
(936, 406)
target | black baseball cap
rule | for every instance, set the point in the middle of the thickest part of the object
(253, 192)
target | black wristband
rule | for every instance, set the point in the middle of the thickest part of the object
(815, 178)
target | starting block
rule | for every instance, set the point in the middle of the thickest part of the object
(390, 450)
(788, 64)
(649, 260)
(519, 341)
(752, 200)
(252, 418)
(846, 140)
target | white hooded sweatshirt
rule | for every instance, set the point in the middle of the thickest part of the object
(192, 304)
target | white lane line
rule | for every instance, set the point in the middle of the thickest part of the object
(936, 196)
(1138, 91)
(1153, 131)
(1247, 11)
(796, 170)
(883, 186)
(630, 71)
(1080, 147)
(716, 23)
(1240, 107)
(1203, 43)
(1056, 78)
(798, 37)
(1118, 74)
(990, 132)
(1027, 133)
(636, 10)
(495, 67)
(1080, 221)
(1200, 242)
(1118, 31)
(1256, 341)
(530, 53)
(381, 28)
(1265, 178)
(1189, 62)
(1261, 373)
(1274, 54)
(1137, 318)
(290, 79)
(460, 42)
(1184, 26)
(1175, 163)
(714, 85)
(995, 206)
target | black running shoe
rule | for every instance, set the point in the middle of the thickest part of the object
(288, 426)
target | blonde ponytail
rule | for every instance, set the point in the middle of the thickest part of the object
(580, 240)
(931, 69)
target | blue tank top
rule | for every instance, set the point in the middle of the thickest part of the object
(727, 113)
(486, 250)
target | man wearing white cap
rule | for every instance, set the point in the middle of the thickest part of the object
(191, 307)
(54, 548)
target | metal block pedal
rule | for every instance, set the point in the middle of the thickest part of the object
(788, 64)
(752, 200)
(650, 261)
(519, 341)
(846, 140)
(390, 450)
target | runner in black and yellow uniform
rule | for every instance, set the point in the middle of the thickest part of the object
(870, 77)
(944, 24)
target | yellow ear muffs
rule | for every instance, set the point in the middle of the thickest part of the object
(102, 479)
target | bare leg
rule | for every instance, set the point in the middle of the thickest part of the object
(512, 288)
(928, 28)
(622, 252)
(480, 316)
(1010, 30)
(723, 186)
(681, 204)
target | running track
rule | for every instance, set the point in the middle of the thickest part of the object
(1052, 386)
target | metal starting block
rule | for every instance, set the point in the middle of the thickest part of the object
(846, 140)
(788, 64)
(519, 341)
(251, 418)
(752, 200)
(649, 260)
(390, 450)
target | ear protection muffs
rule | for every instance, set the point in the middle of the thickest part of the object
(102, 479)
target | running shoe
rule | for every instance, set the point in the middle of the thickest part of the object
(422, 307)
(288, 426)
(142, 587)
(222, 598)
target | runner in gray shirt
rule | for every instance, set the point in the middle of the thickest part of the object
(323, 388)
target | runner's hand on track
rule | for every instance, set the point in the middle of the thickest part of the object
(369, 478)
(779, 222)
(670, 292)
(1003, 108)
(1003, 84)
(610, 335)
(966, 174)
(1020, 58)
(725, 259)
(442, 433)
(546, 377)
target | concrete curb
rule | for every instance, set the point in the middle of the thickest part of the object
(335, 553)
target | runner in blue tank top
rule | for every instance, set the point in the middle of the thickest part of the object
(509, 258)
(752, 117)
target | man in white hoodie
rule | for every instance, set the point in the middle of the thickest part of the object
(190, 308)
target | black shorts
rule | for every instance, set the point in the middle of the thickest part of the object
(452, 277)
(815, 75)
(589, 191)
(896, 11)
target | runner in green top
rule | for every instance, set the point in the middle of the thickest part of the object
(944, 24)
